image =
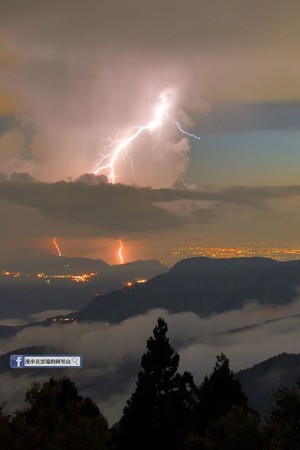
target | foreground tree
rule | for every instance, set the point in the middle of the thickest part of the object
(238, 429)
(217, 394)
(57, 417)
(283, 428)
(158, 414)
(7, 437)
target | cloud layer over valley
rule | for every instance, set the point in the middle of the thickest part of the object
(112, 352)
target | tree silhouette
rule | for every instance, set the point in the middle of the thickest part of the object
(158, 412)
(238, 429)
(217, 394)
(7, 437)
(57, 417)
(283, 430)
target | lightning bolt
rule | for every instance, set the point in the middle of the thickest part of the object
(57, 247)
(183, 131)
(120, 251)
(115, 148)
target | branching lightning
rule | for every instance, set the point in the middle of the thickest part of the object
(121, 251)
(57, 247)
(183, 131)
(116, 148)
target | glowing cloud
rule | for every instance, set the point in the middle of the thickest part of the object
(116, 148)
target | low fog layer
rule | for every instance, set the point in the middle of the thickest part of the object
(112, 353)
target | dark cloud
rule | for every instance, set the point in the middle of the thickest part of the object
(240, 118)
(207, 215)
(112, 208)
(179, 184)
(253, 196)
(82, 215)
(3, 177)
(176, 22)
(6, 122)
(88, 69)
(258, 195)
(21, 177)
(92, 179)
(119, 208)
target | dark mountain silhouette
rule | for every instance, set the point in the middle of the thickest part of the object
(28, 295)
(260, 380)
(52, 265)
(203, 286)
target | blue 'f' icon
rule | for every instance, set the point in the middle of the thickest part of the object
(16, 361)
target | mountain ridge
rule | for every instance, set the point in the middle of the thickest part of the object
(202, 285)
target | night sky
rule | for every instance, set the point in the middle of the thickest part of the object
(74, 73)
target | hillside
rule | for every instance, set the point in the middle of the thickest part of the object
(203, 286)
(25, 295)
(260, 380)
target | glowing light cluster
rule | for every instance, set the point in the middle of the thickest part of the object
(63, 320)
(137, 281)
(262, 250)
(78, 278)
(6, 273)
(82, 278)
(115, 148)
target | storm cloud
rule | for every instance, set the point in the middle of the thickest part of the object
(80, 72)
(90, 208)
(91, 200)
(76, 75)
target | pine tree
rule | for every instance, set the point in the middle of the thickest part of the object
(217, 394)
(158, 412)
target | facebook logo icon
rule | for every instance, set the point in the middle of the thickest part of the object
(16, 361)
